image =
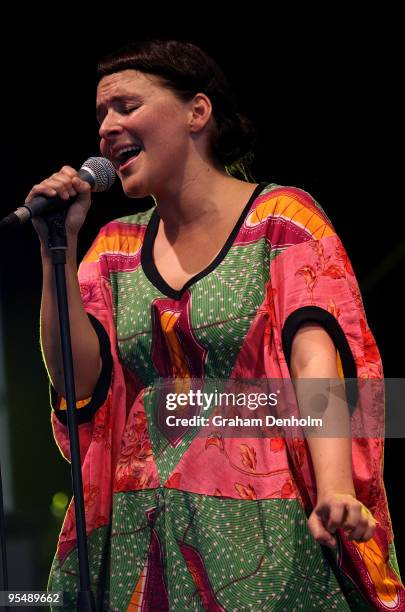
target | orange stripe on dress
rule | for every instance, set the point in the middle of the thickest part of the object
(181, 371)
(386, 586)
(168, 320)
(114, 243)
(284, 207)
(138, 594)
(61, 404)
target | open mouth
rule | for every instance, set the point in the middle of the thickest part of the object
(127, 156)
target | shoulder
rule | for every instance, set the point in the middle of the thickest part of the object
(290, 215)
(121, 236)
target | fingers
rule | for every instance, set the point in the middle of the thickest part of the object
(319, 531)
(342, 512)
(365, 526)
(353, 515)
(65, 184)
(334, 515)
(80, 186)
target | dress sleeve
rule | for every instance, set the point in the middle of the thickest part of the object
(102, 417)
(94, 292)
(94, 302)
(312, 280)
(315, 282)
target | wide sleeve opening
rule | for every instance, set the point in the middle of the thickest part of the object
(86, 409)
(324, 318)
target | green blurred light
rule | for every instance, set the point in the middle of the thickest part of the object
(59, 503)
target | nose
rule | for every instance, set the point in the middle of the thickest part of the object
(110, 125)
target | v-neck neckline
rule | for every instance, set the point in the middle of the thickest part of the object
(148, 263)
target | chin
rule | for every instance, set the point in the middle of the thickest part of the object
(133, 189)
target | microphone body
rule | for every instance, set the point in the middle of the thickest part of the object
(97, 171)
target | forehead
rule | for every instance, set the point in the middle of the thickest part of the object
(127, 82)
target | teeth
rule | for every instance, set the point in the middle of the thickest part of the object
(122, 153)
(129, 149)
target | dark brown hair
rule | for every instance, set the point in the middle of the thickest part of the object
(186, 69)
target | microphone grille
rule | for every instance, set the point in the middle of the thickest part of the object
(102, 171)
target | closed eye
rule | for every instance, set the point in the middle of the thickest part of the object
(119, 106)
(129, 109)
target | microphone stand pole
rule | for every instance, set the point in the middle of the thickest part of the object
(4, 582)
(57, 245)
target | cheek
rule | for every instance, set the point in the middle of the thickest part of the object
(171, 144)
(103, 147)
(164, 128)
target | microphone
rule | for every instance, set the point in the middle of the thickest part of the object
(99, 172)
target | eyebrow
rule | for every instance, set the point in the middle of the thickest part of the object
(117, 99)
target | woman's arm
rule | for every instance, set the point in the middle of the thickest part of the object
(85, 344)
(314, 356)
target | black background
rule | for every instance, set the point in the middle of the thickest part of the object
(323, 91)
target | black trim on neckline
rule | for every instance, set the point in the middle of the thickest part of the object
(148, 264)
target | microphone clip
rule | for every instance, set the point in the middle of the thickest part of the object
(57, 241)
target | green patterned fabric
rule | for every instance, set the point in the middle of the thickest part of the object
(181, 521)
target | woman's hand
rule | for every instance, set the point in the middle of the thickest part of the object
(340, 510)
(65, 184)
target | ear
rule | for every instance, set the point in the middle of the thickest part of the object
(200, 112)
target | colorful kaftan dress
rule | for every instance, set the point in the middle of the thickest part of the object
(183, 522)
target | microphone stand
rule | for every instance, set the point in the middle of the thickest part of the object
(57, 243)
(4, 572)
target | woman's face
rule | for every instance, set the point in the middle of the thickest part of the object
(144, 131)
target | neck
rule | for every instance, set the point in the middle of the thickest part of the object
(201, 199)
